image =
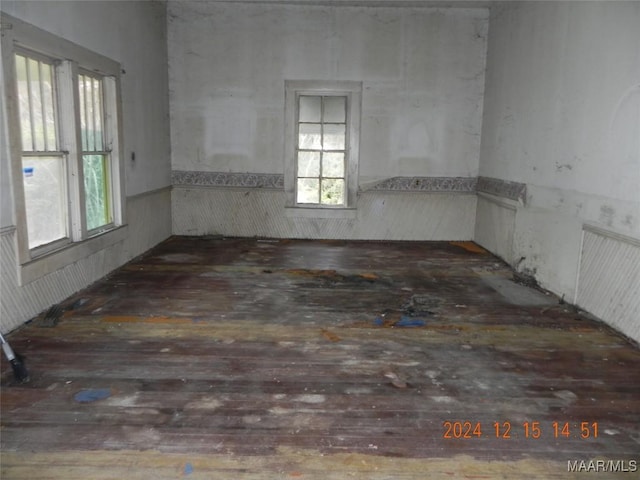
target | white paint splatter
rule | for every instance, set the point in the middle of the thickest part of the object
(357, 391)
(443, 399)
(310, 398)
(206, 403)
(251, 419)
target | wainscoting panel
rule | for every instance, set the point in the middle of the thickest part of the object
(378, 215)
(609, 279)
(495, 225)
(149, 221)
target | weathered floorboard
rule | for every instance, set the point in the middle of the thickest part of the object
(244, 358)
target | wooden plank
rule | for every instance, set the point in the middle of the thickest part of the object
(250, 359)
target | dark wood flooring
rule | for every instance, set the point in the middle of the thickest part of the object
(245, 358)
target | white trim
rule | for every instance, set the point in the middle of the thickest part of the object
(320, 212)
(500, 201)
(621, 237)
(353, 91)
(8, 230)
(51, 45)
(155, 191)
(69, 254)
(580, 251)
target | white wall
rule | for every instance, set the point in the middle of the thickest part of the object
(134, 34)
(423, 78)
(562, 115)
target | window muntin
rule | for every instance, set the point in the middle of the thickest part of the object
(44, 167)
(321, 150)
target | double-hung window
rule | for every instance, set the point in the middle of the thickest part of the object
(44, 165)
(96, 156)
(322, 143)
(63, 112)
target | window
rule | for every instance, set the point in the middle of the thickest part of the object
(320, 150)
(95, 157)
(63, 111)
(43, 164)
(322, 143)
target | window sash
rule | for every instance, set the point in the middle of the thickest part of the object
(37, 101)
(97, 192)
(312, 115)
(46, 200)
(92, 113)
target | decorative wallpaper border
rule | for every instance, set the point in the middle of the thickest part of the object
(503, 188)
(428, 184)
(223, 179)
(275, 181)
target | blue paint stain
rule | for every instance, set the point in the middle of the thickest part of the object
(403, 322)
(409, 322)
(188, 469)
(92, 395)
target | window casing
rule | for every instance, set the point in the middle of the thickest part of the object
(321, 143)
(64, 132)
(44, 165)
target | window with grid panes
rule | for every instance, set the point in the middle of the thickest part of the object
(322, 143)
(321, 149)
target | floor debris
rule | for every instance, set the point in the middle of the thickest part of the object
(250, 375)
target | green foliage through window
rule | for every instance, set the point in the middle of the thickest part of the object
(96, 191)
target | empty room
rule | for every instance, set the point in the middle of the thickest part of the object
(321, 239)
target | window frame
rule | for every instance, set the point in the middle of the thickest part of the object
(352, 90)
(68, 58)
(43, 249)
(108, 140)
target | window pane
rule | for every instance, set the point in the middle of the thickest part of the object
(332, 191)
(36, 105)
(96, 191)
(308, 190)
(48, 108)
(91, 113)
(310, 136)
(334, 137)
(33, 72)
(97, 112)
(333, 164)
(334, 109)
(310, 109)
(308, 164)
(45, 198)
(24, 103)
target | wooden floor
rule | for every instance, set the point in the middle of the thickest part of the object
(214, 358)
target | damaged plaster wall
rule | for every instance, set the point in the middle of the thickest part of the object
(126, 32)
(562, 115)
(423, 80)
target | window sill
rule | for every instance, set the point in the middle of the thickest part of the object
(319, 212)
(70, 253)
